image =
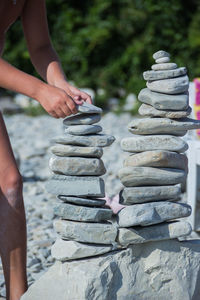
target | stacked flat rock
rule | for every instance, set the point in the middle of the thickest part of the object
(83, 226)
(157, 166)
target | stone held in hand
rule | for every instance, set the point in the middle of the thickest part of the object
(82, 119)
(74, 151)
(142, 194)
(161, 60)
(164, 66)
(89, 108)
(82, 201)
(153, 142)
(157, 75)
(152, 213)
(150, 111)
(63, 250)
(164, 101)
(77, 166)
(171, 86)
(160, 54)
(141, 176)
(83, 129)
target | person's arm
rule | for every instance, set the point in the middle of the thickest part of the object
(42, 53)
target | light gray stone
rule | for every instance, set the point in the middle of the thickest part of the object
(170, 86)
(83, 129)
(89, 108)
(164, 66)
(163, 101)
(150, 111)
(142, 194)
(156, 75)
(157, 158)
(96, 140)
(69, 250)
(82, 213)
(67, 150)
(152, 213)
(161, 60)
(153, 142)
(78, 166)
(100, 233)
(162, 125)
(127, 236)
(160, 54)
(82, 201)
(151, 271)
(76, 185)
(141, 176)
(82, 119)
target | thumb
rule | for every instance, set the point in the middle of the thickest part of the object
(78, 100)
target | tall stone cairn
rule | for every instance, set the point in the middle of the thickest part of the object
(157, 166)
(83, 226)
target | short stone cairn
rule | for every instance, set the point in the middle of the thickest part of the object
(83, 229)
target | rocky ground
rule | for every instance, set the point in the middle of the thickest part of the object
(30, 138)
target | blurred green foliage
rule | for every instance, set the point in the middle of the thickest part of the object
(109, 43)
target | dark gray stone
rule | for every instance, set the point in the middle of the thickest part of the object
(82, 201)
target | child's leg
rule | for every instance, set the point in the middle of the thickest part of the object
(12, 216)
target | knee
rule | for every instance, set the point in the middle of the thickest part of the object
(12, 188)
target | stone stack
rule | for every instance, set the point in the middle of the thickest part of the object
(77, 167)
(152, 174)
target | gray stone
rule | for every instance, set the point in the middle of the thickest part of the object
(134, 195)
(96, 140)
(89, 108)
(150, 111)
(161, 60)
(151, 271)
(152, 213)
(82, 213)
(153, 142)
(68, 250)
(141, 176)
(163, 101)
(156, 75)
(76, 186)
(157, 158)
(100, 233)
(162, 125)
(82, 201)
(165, 66)
(67, 150)
(160, 54)
(83, 129)
(127, 236)
(78, 166)
(170, 86)
(82, 119)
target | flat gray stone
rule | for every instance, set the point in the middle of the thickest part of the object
(86, 232)
(141, 176)
(164, 66)
(82, 201)
(153, 142)
(78, 166)
(73, 151)
(162, 125)
(63, 250)
(161, 60)
(82, 119)
(96, 140)
(83, 129)
(163, 101)
(157, 232)
(152, 213)
(160, 54)
(157, 158)
(150, 111)
(72, 212)
(142, 194)
(156, 75)
(170, 86)
(92, 186)
(89, 108)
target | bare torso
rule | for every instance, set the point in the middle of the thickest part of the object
(9, 12)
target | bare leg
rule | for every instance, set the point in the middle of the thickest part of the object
(13, 224)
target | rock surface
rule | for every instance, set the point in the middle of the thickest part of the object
(164, 66)
(82, 201)
(170, 86)
(83, 129)
(160, 54)
(161, 60)
(67, 150)
(156, 75)
(82, 119)
(89, 108)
